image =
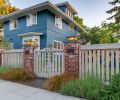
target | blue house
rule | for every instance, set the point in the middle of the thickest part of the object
(44, 23)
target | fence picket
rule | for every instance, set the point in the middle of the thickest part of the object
(82, 62)
(117, 61)
(112, 62)
(12, 58)
(102, 59)
(94, 63)
(103, 64)
(98, 63)
(86, 62)
(50, 62)
(90, 62)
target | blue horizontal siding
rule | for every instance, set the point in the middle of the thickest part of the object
(41, 27)
(54, 33)
(45, 25)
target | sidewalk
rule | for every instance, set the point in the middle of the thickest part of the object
(14, 91)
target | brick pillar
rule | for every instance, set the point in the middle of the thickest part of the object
(29, 57)
(72, 58)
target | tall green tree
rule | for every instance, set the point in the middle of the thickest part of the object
(78, 20)
(115, 10)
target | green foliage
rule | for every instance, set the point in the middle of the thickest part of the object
(88, 88)
(5, 43)
(97, 35)
(54, 83)
(78, 20)
(112, 90)
(104, 34)
(115, 10)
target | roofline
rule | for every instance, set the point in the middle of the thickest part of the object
(23, 10)
(67, 3)
(67, 16)
(39, 5)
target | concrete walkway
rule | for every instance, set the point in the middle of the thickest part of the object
(14, 91)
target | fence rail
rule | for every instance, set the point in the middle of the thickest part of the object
(12, 58)
(102, 61)
(49, 62)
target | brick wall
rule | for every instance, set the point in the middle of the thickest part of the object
(72, 58)
(29, 57)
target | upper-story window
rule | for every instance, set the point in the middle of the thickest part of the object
(58, 22)
(31, 19)
(13, 24)
(71, 27)
(70, 14)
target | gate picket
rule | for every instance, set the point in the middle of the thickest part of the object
(50, 62)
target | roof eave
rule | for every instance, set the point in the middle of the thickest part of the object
(45, 5)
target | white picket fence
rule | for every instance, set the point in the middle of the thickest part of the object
(49, 62)
(102, 61)
(12, 58)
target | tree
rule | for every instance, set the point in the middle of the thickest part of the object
(115, 10)
(78, 20)
(6, 44)
(6, 8)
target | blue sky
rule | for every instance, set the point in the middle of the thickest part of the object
(92, 11)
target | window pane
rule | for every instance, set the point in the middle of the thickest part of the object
(34, 20)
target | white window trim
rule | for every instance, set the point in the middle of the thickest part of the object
(69, 13)
(29, 21)
(61, 23)
(61, 44)
(11, 24)
(71, 27)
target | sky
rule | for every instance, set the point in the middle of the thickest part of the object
(93, 12)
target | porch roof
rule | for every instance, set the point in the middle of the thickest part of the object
(30, 34)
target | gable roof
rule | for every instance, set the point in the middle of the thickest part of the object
(68, 6)
(39, 7)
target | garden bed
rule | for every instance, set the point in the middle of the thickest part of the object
(15, 74)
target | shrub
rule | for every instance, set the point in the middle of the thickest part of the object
(112, 90)
(54, 83)
(88, 88)
(17, 74)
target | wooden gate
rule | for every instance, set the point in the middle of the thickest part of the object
(48, 62)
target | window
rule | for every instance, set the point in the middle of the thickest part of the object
(13, 24)
(58, 22)
(31, 19)
(70, 14)
(58, 44)
(71, 27)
